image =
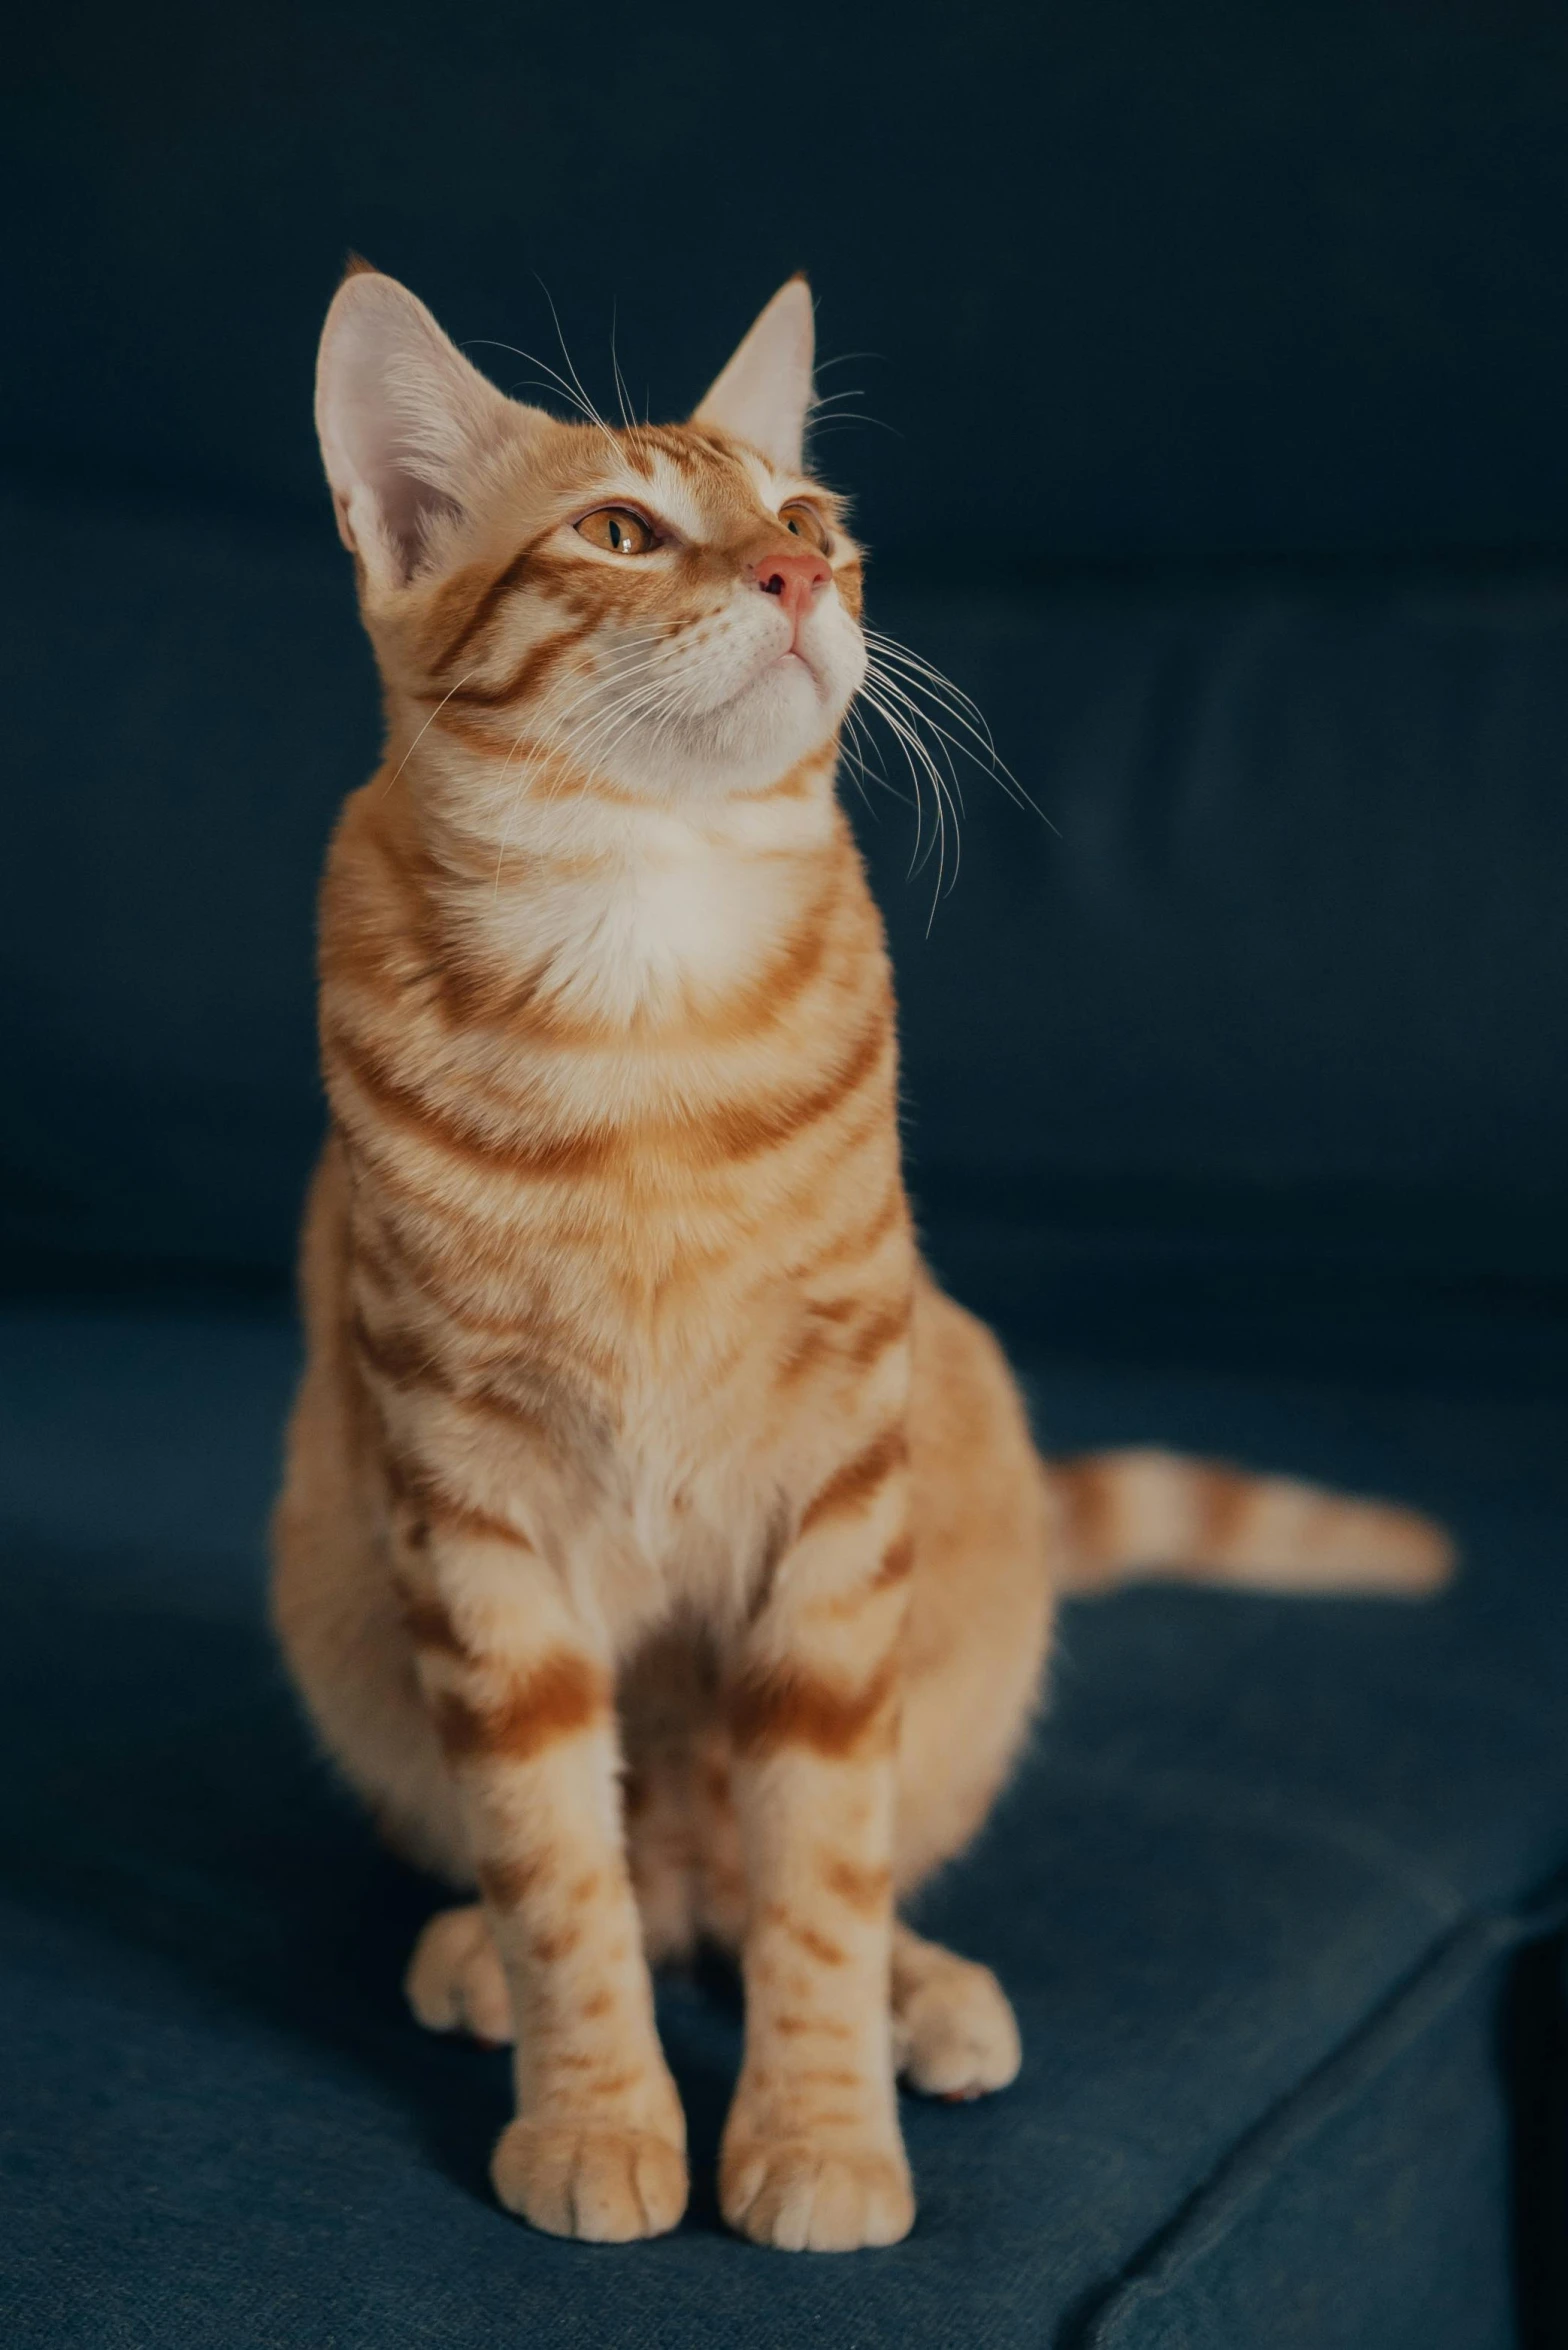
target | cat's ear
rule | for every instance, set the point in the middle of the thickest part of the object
(409, 430)
(764, 395)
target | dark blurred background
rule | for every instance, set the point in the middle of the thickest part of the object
(1219, 358)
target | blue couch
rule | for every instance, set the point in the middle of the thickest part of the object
(1236, 1099)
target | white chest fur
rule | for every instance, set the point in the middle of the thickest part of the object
(637, 906)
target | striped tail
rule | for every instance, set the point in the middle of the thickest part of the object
(1136, 1514)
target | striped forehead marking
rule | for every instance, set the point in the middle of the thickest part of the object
(699, 476)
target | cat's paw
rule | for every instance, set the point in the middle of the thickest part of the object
(954, 2033)
(455, 1980)
(803, 2197)
(593, 2181)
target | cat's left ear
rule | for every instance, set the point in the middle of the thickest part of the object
(764, 395)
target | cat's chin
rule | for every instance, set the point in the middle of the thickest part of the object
(787, 711)
(790, 692)
(783, 714)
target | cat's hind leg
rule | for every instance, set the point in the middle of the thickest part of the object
(954, 2033)
(455, 1980)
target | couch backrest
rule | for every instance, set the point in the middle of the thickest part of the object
(1226, 353)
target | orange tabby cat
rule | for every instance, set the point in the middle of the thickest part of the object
(661, 1552)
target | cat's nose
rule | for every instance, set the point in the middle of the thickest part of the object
(795, 578)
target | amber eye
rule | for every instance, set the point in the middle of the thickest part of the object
(807, 524)
(618, 530)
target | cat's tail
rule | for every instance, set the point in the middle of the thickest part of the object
(1137, 1514)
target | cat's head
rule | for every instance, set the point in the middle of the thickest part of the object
(674, 609)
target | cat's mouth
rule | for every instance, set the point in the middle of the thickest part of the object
(785, 665)
(796, 656)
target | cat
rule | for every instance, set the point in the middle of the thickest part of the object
(661, 1553)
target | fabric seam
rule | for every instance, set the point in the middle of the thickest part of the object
(1398, 2021)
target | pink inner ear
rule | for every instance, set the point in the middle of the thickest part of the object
(408, 505)
(373, 428)
(406, 423)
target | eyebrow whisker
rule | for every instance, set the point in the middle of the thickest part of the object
(621, 394)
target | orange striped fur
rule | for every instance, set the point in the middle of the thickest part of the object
(660, 1552)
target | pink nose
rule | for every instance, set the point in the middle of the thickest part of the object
(794, 578)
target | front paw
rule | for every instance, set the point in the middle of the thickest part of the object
(805, 2195)
(590, 2179)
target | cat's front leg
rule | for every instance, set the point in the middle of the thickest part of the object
(522, 1697)
(813, 2157)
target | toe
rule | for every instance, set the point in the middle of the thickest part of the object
(661, 2184)
(799, 2198)
(603, 2185)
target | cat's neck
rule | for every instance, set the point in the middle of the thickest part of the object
(619, 906)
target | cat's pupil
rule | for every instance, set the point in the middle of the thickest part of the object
(617, 535)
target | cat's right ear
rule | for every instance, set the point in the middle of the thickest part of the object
(409, 430)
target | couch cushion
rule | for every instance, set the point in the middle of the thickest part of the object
(1251, 1893)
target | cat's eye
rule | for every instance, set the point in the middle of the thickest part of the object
(807, 524)
(618, 530)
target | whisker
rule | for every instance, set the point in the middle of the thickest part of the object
(655, 706)
(571, 368)
(425, 729)
(595, 681)
(622, 398)
(566, 387)
(946, 805)
(910, 724)
(548, 376)
(920, 764)
(818, 423)
(685, 693)
(917, 718)
(589, 745)
(633, 687)
(918, 661)
(867, 743)
(927, 677)
(922, 676)
(544, 747)
(864, 753)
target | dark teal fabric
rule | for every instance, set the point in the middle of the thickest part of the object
(1255, 1894)
(1320, 2230)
